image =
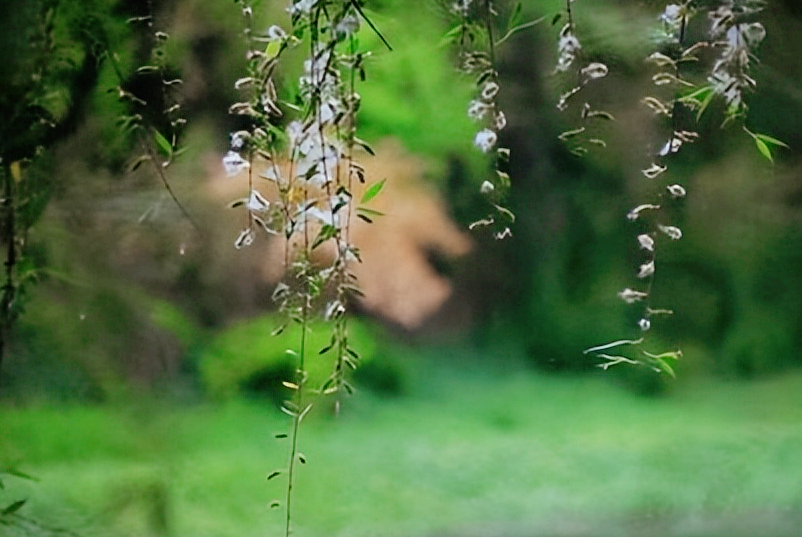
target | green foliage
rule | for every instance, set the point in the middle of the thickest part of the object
(116, 338)
(758, 344)
(413, 94)
(241, 355)
(566, 441)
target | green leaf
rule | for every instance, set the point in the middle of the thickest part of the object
(369, 212)
(769, 140)
(451, 36)
(165, 147)
(326, 232)
(17, 473)
(13, 508)
(705, 103)
(373, 191)
(273, 474)
(515, 17)
(364, 145)
(663, 366)
(273, 49)
(763, 148)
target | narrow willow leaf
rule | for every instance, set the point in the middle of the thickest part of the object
(302, 458)
(506, 212)
(369, 212)
(326, 232)
(364, 145)
(515, 17)
(13, 508)
(244, 239)
(451, 36)
(675, 355)
(372, 191)
(290, 408)
(614, 344)
(165, 147)
(769, 140)
(763, 148)
(272, 50)
(663, 366)
(274, 474)
(571, 133)
(137, 163)
(305, 412)
(275, 504)
(280, 435)
(290, 385)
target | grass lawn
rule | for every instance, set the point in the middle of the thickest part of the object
(472, 450)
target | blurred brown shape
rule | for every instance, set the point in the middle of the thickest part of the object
(397, 277)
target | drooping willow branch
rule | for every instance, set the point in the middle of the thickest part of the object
(308, 186)
(732, 31)
(474, 32)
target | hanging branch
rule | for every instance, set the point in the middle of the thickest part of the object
(158, 149)
(310, 177)
(474, 33)
(570, 62)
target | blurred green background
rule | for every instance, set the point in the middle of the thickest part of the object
(140, 384)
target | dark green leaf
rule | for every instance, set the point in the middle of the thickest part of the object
(515, 17)
(326, 232)
(13, 508)
(273, 474)
(556, 18)
(451, 36)
(369, 212)
(17, 473)
(364, 145)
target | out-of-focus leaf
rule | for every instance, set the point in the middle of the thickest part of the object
(515, 17)
(13, 508)
(165, 147)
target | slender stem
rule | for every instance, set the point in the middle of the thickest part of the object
(514, 30)
(11, 259)
(488, 20)
(376, 31)
(300, 382)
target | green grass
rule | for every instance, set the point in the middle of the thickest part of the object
(474, 449)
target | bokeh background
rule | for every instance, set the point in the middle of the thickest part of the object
(141, 384)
